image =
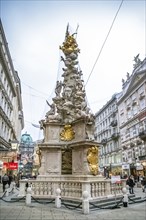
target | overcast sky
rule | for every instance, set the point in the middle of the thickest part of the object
(35, 30)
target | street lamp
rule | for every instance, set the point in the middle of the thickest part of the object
(14, 145)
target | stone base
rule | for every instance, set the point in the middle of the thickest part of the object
(78, 178)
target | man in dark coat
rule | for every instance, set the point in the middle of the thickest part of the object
(143, 183)
(130, 182)
(5, 181)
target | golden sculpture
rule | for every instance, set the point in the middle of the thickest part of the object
(39, 153)
(70, 45)
(67, 134)
(92, 158)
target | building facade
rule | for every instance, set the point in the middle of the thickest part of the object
(26, 149)
(127, 153)
(132, 120)
(107, 133)
(11, 109)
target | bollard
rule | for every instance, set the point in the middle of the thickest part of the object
(125, 197)
(28, 196)
(58, 198)
(13, 187)
(85, 202)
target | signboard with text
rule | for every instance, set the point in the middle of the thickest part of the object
(11, 165)
(125, 166)
(116, 179)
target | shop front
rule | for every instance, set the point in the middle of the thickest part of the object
(125, 170)
(116, 169)
(142, 160)
(10, 167)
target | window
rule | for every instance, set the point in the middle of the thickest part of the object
(134, 131)
(141, 90)
(129, 114)
(134, 109)
(122, 118)
(128, 102)
(127, 133)
(144, 124)
(133, 97)
(111, 147)
(142, 104)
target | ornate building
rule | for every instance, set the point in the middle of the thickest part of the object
(132, 119)
(11, 113)
(26, 149)
(124, 139)
(107, 132)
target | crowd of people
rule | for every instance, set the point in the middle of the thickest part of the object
(130, 182)
(8, 179)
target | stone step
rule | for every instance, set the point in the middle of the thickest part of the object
(94, 205)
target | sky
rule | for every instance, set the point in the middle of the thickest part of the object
(108, 40)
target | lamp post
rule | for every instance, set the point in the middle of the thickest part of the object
(15, 149)
(14, 145)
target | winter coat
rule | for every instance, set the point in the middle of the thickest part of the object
(130, 182)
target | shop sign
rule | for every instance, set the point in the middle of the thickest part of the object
(116, 179)
(140, 167)
(11, 165)
(125, 166)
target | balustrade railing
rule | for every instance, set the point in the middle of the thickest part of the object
(72, 189)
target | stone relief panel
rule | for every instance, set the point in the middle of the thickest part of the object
(77, 161)
(79, 131)
(52, 133)
(53, 161)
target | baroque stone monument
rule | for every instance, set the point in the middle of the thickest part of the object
(68, 150)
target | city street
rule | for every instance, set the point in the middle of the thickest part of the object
(19, 211)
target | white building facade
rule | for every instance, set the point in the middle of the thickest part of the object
(125, 154)
(107, 133)
(11, 111)
(132, 120)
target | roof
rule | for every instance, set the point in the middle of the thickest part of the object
(26, 138)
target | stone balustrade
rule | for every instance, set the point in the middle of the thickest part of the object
(72, 189)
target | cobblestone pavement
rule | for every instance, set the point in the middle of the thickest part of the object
(19, 211)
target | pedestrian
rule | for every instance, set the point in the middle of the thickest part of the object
(143, 184)
(10, 179)
(5, 180)
(26, 186)
(130, 182)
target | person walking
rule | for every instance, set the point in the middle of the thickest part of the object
(143, 184)
(5, 180)
(10, 179)
(130, 182)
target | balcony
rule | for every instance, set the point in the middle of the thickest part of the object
(114, 123)
(124, 146)
(139, 142)
(104, 141)
(132, 144)
(115, 136)
(142, 95)
(142, 135)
